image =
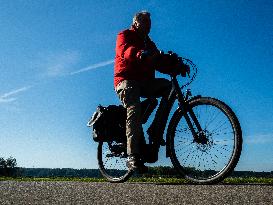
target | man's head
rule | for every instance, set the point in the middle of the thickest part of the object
(142, 22)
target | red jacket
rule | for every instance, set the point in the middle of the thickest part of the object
(128, 65)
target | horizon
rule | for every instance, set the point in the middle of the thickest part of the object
(56, 61)
(99, 169)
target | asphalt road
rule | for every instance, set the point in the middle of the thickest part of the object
(12, 192)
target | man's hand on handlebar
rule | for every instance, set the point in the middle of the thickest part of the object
(170, 60)
(149, 56)
(185, 70)
(179, 67)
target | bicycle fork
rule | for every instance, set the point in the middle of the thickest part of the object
(190, 117)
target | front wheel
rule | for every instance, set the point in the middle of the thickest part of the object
(211, 159)
(112, 157)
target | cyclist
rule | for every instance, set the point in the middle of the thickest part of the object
(134, 77)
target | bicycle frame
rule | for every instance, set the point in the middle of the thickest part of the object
(163, 112)
(211, 153)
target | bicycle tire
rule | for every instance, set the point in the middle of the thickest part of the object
(115, 171)
(194, 160)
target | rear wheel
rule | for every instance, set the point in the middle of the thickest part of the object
(112, 159)
(211, 158)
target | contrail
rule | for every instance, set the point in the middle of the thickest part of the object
(91, 67)
(6, 96)
(7, 100)
(9, 96)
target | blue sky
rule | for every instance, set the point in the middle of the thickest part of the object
(56, 63)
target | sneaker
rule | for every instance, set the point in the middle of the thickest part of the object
(134, 163)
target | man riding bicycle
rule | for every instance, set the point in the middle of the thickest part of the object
(134, 77)
(204, 136)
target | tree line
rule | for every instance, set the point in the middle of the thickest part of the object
(8, 167)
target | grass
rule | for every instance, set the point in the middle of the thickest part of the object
(248, 180)
(238, 180)
(82, 179)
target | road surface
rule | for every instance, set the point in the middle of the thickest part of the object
(12, 192)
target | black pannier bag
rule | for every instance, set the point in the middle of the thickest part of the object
(109, 124)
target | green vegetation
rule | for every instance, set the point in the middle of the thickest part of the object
(250, 180)
(38, 179)
(163, 180)
(160, 174)
(8, 167)
(160, 171)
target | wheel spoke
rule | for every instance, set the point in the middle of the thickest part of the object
(112, 164)
(206, 160)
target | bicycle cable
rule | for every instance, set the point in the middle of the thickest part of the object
(193, 68)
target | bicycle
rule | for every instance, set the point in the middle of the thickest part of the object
(203, 140)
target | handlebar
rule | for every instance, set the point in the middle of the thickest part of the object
(180, 66)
